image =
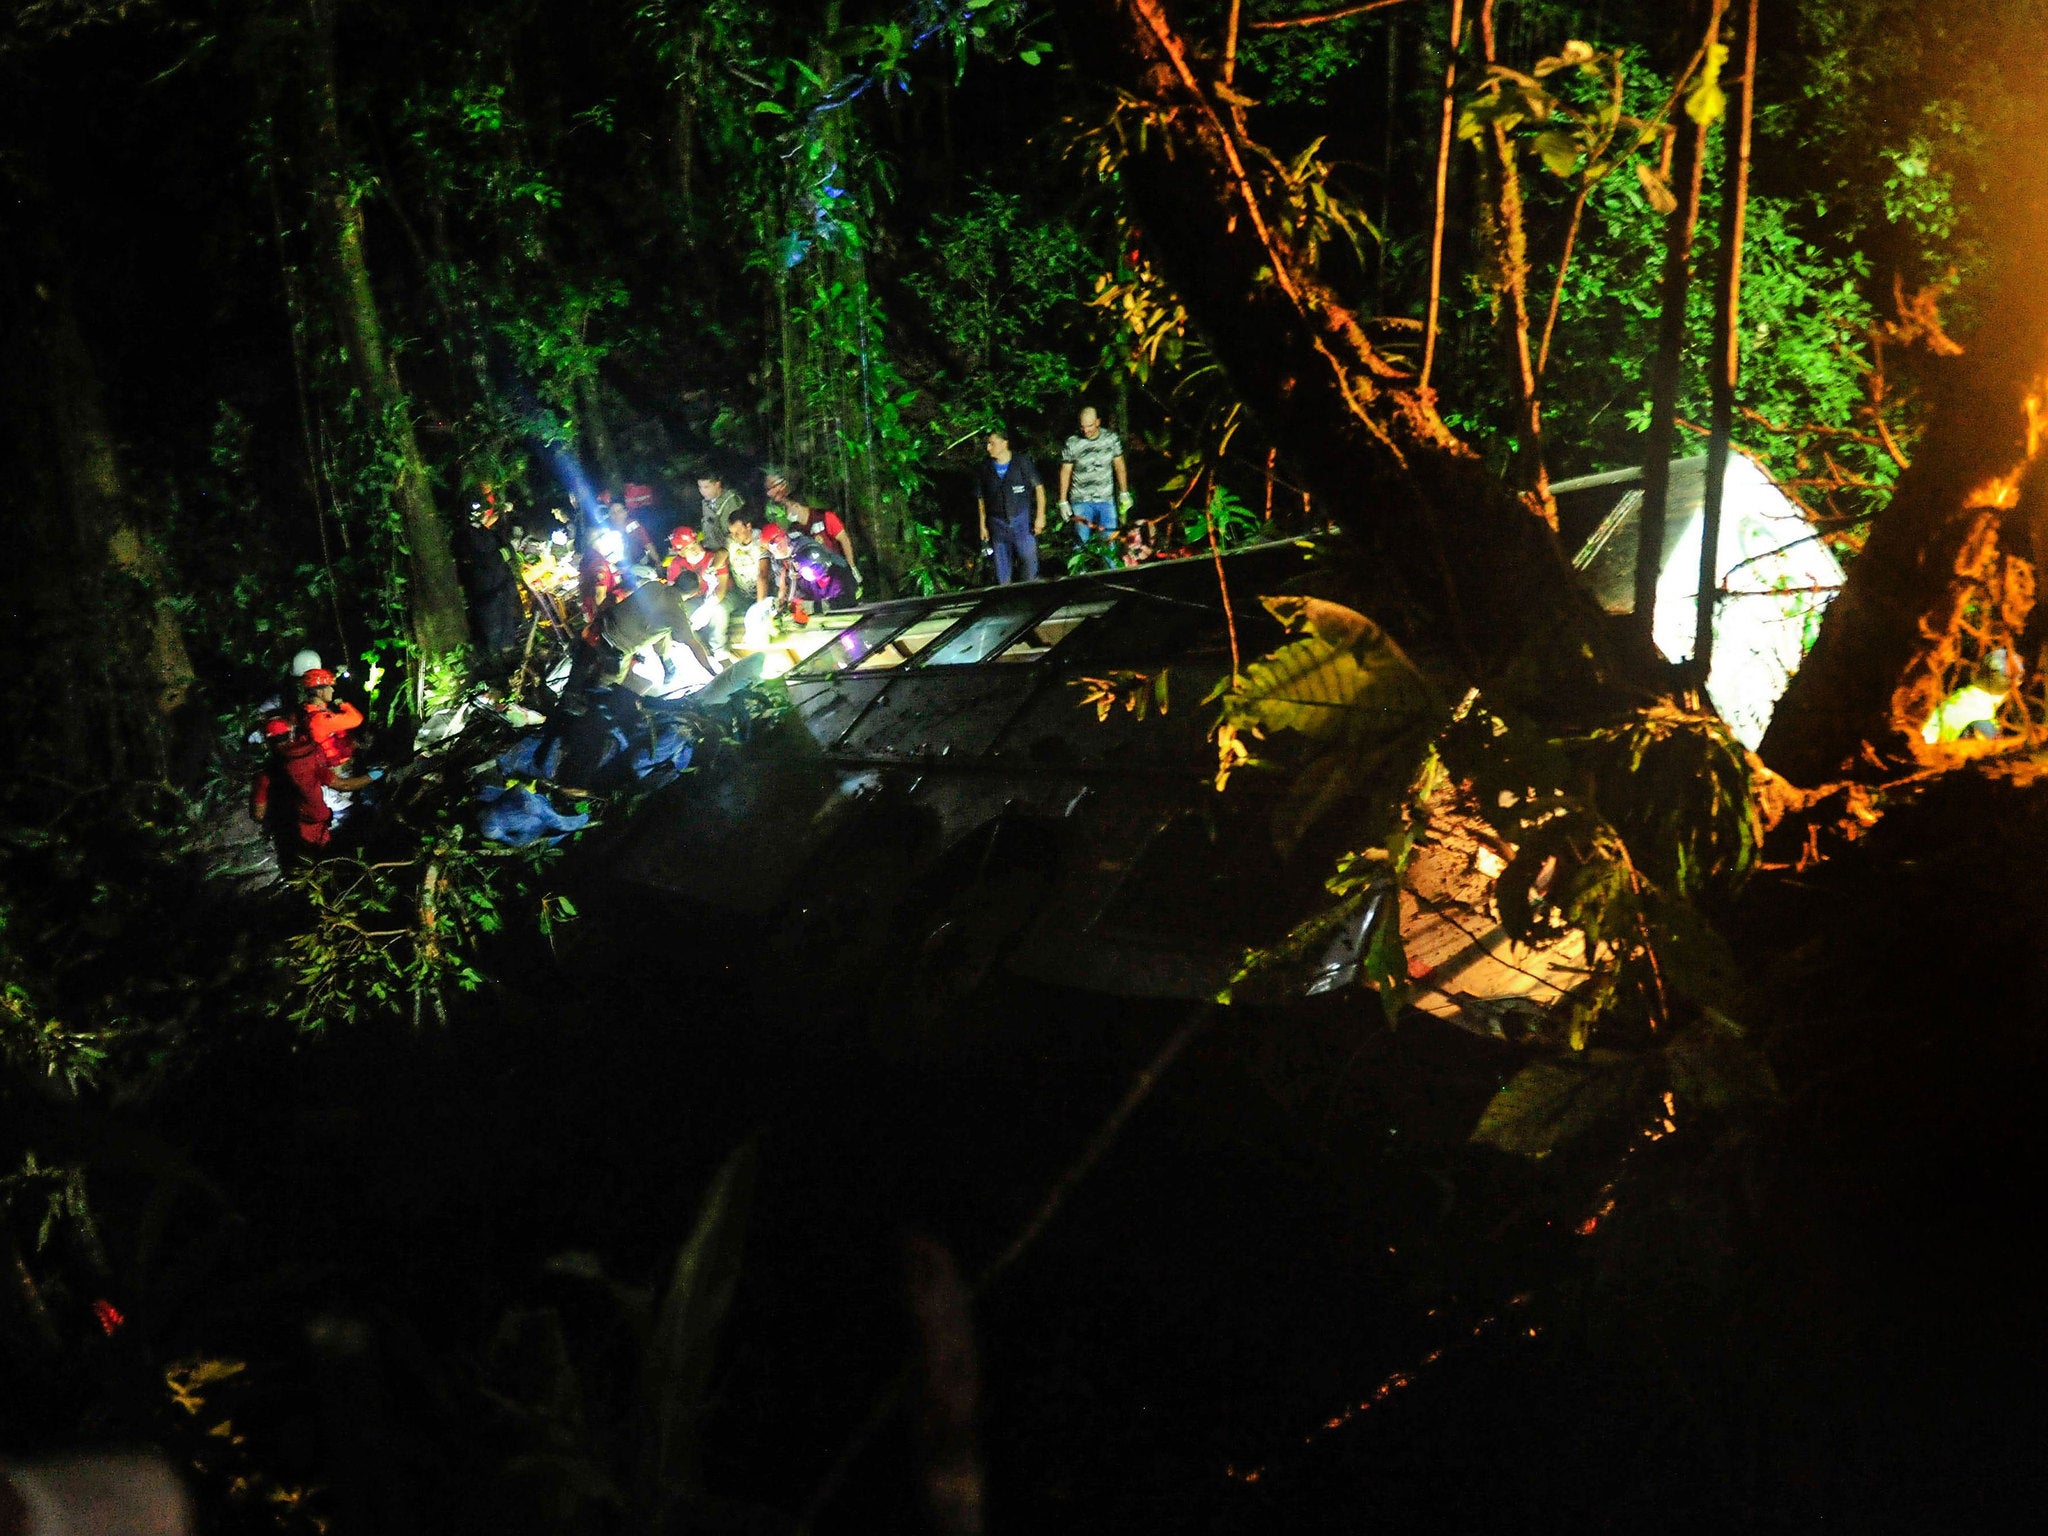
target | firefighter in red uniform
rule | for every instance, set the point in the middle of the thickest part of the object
(330, 725)
(288, 797)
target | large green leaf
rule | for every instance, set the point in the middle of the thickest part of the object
(1559, 1099)
(1345, 687)
(1714, 1066)
(1346, 678)
(676, 1371)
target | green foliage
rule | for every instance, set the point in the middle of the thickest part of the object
(1007, 294)
(1624, 836)
(392, 938)
(32, 1042)
(1807, 317)
(1561, 1099)
(1346, 690)
(1233, 523)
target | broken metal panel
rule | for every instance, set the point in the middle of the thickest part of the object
(922, 715)
(737, 840)
(927, 730)
(989, 628)
(829, 711)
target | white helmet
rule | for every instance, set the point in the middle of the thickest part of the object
(304, 662)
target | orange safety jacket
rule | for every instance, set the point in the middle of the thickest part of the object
(331, 730)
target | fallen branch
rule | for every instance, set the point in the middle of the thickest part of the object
(1319, 18)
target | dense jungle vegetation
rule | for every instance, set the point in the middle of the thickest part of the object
(443, 1187)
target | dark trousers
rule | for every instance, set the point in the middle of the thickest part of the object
(1014, 545)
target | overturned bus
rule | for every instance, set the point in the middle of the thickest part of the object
(930, 789)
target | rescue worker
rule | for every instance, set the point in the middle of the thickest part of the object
(481, 555)
(646, 620)
(747, 565)
(330, 725)
(1091, 468)
(1009, 501)
(808, 574)
(291, 795)
(619, 557)
(715, 508)
(286, 698)
(701, 575)
(825, 527)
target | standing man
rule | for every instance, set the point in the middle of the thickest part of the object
(481, 554)
(718, 506)
(825, 527)
(1009, 500)
(1091, 471)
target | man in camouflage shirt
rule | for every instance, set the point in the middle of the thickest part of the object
(719, 504)
(1091, 473)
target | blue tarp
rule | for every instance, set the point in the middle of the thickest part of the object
(615, 742)
(518, 817)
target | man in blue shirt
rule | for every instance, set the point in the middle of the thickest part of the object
(1009, 499)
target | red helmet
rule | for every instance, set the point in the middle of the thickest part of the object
(682, 534)
(272, 729)
(319, 677)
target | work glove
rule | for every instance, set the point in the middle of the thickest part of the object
(1066, 511)
(1124, 499)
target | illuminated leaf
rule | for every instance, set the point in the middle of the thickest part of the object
(1706, 101)
(1656, 188)
(1714, 1066)
(1558, 150)
(1345, 687)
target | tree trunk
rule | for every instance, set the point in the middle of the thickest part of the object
(1888, 643)
(1727, 346)
(101, 633)
(690, 80)
(597, 437)
(1502, 179)
(1667, 370)
(1470, 558)
(439, 616)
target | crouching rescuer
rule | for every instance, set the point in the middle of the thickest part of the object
(700, 576)
(648, 620)
(291, 796)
